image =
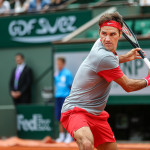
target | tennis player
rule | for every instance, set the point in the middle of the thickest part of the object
(83, 113)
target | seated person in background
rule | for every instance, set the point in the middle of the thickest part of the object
(21, 6)
(4, 7)
(55, 3)
(38, 5)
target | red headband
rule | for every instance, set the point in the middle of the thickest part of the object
(112, 24)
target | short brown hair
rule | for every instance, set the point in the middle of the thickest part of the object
(20, 54)
(62, 59)
(111, 16)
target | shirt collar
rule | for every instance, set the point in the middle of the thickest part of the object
(21, 66)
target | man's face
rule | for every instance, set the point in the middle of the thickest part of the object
(19, 60)
(109, 37)
(60, 64)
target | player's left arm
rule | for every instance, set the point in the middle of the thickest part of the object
(131, 55)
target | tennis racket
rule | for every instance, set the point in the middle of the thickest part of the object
(129, 35)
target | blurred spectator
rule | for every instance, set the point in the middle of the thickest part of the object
(55, 3)
(4, 7)
(144, 2)
(21, 6)
(20, 82)
(63, 82)
(38, 5)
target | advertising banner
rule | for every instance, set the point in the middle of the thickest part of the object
(40, 28)
(35, 122)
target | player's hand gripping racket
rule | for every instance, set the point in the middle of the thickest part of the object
(129, 35)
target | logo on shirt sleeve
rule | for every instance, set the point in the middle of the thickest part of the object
(63, 79)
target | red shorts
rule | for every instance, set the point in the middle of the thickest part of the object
(76, 118)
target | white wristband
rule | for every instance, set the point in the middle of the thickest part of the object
(146, 82)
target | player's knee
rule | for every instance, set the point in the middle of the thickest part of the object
(84, 138)
(87, 144)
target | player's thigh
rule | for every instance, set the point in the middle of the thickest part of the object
(84, 134)
(108, 146)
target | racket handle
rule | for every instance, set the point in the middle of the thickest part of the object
(141, 54)
(147, 62)
(145, 59)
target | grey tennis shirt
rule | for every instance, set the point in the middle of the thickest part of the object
(89, 90)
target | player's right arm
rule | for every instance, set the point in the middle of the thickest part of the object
(130, 85)
(109, 69)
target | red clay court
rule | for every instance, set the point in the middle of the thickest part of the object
(15, 143)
